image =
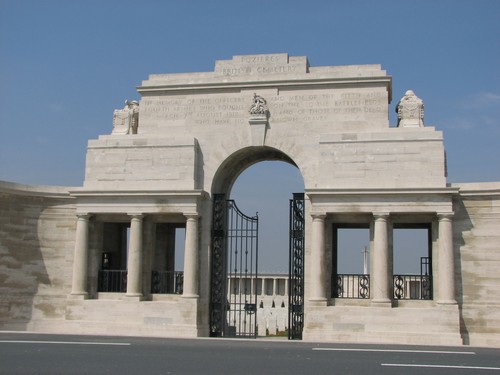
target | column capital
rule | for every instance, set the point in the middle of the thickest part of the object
(321, 216)
(381, 215)
(445, 215)
(136, 215)
(83, 215)
(191, 216)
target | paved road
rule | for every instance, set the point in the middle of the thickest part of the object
(57, 354)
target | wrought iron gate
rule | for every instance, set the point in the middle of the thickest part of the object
(233, 305)
(296, 268)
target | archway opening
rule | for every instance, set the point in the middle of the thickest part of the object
(258, 181)
(266, 188)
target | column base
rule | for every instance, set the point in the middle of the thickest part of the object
(381, 302)
(190, 296)
(447, 302)
(318, 301)
(134, 297)
(78, 295)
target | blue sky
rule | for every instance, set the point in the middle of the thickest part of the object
(66, 65)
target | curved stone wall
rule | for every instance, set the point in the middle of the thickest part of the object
(37, 230)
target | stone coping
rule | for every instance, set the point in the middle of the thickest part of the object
(35, 190)
(477, 188)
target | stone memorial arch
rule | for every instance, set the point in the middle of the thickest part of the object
(174, 152)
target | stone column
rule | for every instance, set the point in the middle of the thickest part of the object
(81, 256)
(318, 282)
(134, 261)
(446, 260)
(190, 289)
(381, 278)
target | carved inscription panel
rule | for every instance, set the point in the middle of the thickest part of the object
(328, 106)
(287, 107)
(197, 110)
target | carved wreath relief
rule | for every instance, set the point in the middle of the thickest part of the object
(259, 106)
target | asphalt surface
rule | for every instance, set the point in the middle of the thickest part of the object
(24, 353)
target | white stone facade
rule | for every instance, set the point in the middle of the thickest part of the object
(194, 134)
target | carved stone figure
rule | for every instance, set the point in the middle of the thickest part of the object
(410, 110)
(126, 120)
(259, 106)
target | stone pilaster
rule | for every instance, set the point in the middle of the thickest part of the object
(134, 263)
(190, 289)
(318, 281)
(446, 260)
(381, 278)
(80, 261)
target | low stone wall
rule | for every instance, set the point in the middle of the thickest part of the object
(116, 314)
(358, 321)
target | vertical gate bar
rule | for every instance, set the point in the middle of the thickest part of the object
(237, 247)
(256, 234)
(234, 246)
(244, 243)
(237, 269)
(290, 261)
(230, 279)
(296, 267)
(230, 265)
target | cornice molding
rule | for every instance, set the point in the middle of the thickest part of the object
(80, 193)
(285, 83)
(450, 191)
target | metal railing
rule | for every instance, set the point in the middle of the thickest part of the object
(351, 286)
(412, 287)
(167, 282)
(112, 281)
